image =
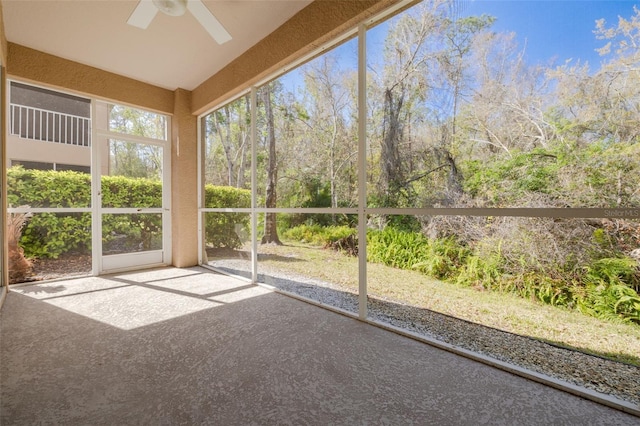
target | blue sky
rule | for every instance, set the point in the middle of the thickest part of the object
(562, 29)
(556, 30)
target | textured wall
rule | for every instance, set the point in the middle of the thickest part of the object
(309, 29)
(3, 39)
(41, 67)
(4, 273)
(184, 175)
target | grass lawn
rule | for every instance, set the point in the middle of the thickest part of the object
(507, 312)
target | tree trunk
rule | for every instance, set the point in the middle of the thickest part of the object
(225, 140)
(245, 143)
(390, 174)
(270, 226)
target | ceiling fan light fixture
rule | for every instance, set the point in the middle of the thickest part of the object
(146, 10)
(171, 7)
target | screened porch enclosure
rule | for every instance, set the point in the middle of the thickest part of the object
(404, 164)
(378, 177)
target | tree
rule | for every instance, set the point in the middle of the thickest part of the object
(460, 37)
(227, 144)
(131, 159)
(334, 148)
(506, 111)
(426, 78)
(270, 226)
(408, 53)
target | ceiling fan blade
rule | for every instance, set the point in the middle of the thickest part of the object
(143, 14)
(208, 21)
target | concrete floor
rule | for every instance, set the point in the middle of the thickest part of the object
(187, 346)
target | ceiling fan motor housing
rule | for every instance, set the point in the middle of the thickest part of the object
(145, 11)
(171, 7)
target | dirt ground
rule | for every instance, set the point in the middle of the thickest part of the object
(71, 265)
(64, 266)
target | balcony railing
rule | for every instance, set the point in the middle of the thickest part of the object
(50, 126)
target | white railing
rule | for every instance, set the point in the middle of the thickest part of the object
(50, 126)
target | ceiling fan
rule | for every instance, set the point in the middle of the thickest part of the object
(146, 10)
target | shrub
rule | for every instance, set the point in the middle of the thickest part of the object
(609, 293)
(49, 235)
(226, 229)
(310, 234)
(342, 238)
(325, 236)
(439, 258)
(604, 288)
(480, 271)
(48, 188)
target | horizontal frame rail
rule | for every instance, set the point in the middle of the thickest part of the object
(569, 213)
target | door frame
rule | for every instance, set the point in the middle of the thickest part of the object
(101, 135)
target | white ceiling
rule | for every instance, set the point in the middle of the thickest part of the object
(173, 52)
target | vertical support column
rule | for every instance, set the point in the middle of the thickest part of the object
(184, 182)
(99, 167)
(4, 248)
(202, 250)
(362, 172)
(4, 272)
(254, 186)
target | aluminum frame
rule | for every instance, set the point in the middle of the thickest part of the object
(134, 260)
(362, 210)
(95, 208)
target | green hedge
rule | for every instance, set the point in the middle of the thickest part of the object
(49, 235)
(47, 188)
(226, 229)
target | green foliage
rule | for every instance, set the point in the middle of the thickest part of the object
(505, 181)
(481, 271)
(309, 234)
(312, 193)
(439, 258)
(614, 302)
(551, 291)
(46, 188)
(614, 271)
(119, 191)
(226, 229)
(319, 235)
(610, 293)
(49, 235)
(605, 289)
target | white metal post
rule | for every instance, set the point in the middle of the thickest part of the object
(254, 189)
(96, 187)
(200, 189)
(362, 172)
(167, 238)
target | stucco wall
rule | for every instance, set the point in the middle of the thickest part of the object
(46, 152)
(40, 67)
(3, 39)
(4, 277)
(184, 172)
